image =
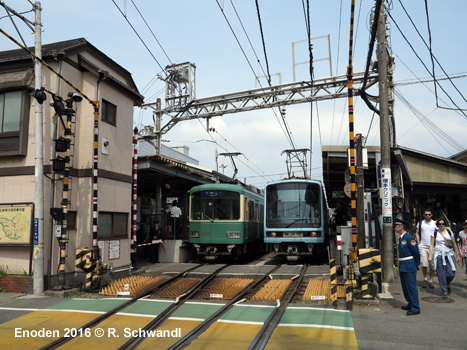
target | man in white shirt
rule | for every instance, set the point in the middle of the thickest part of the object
(425, 229)
(175, 214)
(175, 211)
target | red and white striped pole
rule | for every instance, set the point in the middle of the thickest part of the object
(135, 191)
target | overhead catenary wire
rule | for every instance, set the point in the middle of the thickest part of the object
(264, 44)
(287, 128)
(248, 37)
(285, 131)
(215, 141)
(165, 53)
(306, 13)
(137, 34)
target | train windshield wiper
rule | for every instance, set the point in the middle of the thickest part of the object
(208, 217)
(293, 222)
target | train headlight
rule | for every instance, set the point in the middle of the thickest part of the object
(233, 234)
(273, 234)
(194, 234)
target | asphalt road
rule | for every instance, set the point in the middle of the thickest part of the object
(382, 325)
(442, 324)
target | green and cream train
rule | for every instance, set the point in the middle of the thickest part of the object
(226, 220)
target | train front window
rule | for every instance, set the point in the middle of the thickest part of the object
(215, 205)
(290, 205)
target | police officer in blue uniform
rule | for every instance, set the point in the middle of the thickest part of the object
(409, 259)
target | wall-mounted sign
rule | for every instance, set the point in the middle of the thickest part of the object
(114, 249)
(386, 195)
(101, 246)
(15, 224)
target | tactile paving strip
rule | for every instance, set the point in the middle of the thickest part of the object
(318, 289)
(273, 290)
(177, 288)
(131, 286)
(226, 288)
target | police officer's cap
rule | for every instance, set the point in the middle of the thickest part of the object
(402, 222)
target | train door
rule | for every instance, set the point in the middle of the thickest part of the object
(255, 232)
(250, 220)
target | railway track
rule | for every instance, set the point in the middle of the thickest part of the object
(61, 341)
(263, 293)
(270, 325)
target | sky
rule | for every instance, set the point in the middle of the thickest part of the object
(198, 32)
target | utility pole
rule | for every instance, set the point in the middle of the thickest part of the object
(386, 190)
(38, 256)
(360, 194)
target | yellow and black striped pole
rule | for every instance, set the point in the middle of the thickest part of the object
(348, 295)
(353, 187)
(66, 178)
(95, 104)
(333, 272)
(85, 262)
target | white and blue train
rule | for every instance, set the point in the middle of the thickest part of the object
(296, 219)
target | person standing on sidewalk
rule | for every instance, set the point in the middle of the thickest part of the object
(155, 234)
(425, 229)
(409, 259)
(463, 244)
(444, 253)
(175, 216)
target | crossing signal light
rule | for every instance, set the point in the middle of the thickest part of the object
(57, 214)
(39, 95)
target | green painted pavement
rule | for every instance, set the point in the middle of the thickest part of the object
(195, 310)
(146, 307)
(248, 313)
(319, 317)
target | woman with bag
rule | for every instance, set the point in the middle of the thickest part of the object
(444, 253)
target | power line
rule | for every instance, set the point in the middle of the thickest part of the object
(429, 72)
(430, 50)
(137, 9)
(433, 127)
(423, 82)
(233, 148)
(374, 26)
(264, 44)
(286, 131)
(431, 54)
(310, 66)
(246, 34)
(147, 48)
(337, 66)
(369, 128)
